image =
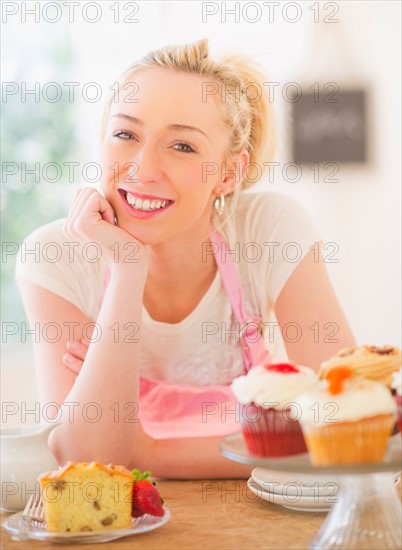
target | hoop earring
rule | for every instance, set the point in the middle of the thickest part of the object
(219, 204)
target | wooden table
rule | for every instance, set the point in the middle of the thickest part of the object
(209, 515)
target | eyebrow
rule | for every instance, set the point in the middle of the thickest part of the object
(170, 127)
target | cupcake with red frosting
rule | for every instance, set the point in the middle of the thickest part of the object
(270, 411)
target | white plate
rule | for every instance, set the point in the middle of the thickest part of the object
(288, 484)
(37, 530)
(298, 503)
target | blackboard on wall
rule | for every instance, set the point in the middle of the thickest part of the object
(330, 129)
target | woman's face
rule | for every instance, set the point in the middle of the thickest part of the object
(166, 143)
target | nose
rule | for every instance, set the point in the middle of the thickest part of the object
(147, 164)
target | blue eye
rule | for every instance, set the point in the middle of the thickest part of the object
(121, 134)
(184, 148)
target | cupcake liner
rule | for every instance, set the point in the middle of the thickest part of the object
(270, 432)
(349, 442)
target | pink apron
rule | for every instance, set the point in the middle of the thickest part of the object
(177, 410)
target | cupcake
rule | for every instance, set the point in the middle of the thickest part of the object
(396, 386)
(374, 363)
(347, 420)
(269, 408)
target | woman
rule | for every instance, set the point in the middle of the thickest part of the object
(178, 144)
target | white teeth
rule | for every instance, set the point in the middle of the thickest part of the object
(129, 198)
(145, 205)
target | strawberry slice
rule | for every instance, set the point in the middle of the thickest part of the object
(283, 368)
(146, 498)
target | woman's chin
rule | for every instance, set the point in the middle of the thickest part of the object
(145, 237)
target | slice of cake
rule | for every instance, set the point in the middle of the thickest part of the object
(85, 496)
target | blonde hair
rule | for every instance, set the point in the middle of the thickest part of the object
(249, 120)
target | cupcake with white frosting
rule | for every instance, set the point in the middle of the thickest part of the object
(348, 420)
(268, 395)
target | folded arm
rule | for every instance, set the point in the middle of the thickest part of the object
(109, 376)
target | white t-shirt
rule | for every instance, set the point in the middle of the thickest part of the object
(269, 235)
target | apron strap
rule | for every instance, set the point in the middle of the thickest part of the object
(251, 328)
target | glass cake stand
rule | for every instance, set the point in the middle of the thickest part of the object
(368, 512)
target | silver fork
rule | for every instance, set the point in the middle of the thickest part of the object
(33, 511)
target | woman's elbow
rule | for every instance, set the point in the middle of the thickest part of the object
(66, 447)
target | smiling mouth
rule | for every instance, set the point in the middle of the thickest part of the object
(145, 205)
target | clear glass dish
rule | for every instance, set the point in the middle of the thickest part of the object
(368, 511)
(23, 529)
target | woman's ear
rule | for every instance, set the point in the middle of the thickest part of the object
(235, 171)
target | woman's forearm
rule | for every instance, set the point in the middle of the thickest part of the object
(190, 458)
(99, 411)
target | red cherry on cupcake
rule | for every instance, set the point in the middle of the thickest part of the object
(283, 368)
